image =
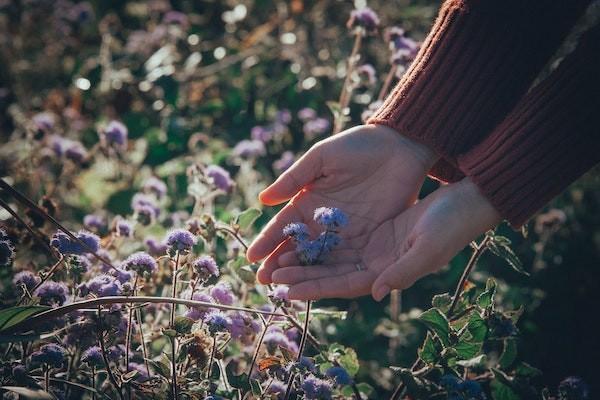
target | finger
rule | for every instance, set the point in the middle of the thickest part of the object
(272, 234)
(353, 284)
(403, 273)
(299, 175)
(298, 274)
(265, 271)
(337, 256)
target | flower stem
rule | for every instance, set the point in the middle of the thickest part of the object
(257, 349)
(93, 383)
(290, 382)
(129, 328)
(46, 378)
(174, 290)
(387, 83)
(346, 88)
(212, 357)
(109, 371)
(174, 368)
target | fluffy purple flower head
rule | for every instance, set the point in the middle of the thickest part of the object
(275, 338)
(316, 389)
(222, 293)
(114, 353)
(315, 127)
(287, 160)
(101, 286)
(205, 267)
(219, 177)
(306, 114)
(217, 322)
(330, 217)
(297, 231)
(327, 241)
(141, 263)
(339, 375)
(180, 240)
(279, 296)
(94, 221)
(278, 389)
(50, 354)
(142, 374)
(176, 18)
(309, 252)
(156, 247)
(78, 265)
(393, 33)
(7, 252)
(261, 133)
(244, 327)
(198, 313)
(115, 133)
(283, 116)
(44, 121)
(364, 18)
(93, 356)
(156, 186)
(124, 228)
(52, 293)
(75, 151)
(27, 279)
(401, 57)
(249, 149)
(145, 207)
(122, 275)
(65, 245)
(367, 74)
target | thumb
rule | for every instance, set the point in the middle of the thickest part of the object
(300, 174)
(403, 273)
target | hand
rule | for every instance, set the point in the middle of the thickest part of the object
(370, 172)
(401, 250)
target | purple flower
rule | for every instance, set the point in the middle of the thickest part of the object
(217, 322)
(278, 389)
(27, 279)
(244, 327)
(327, 241)
(176, 18)
(50, 354)
(315, 127)
(101, 286)
(287, 160)
(114, 353)
(279, 296)
(367, 74)
(7, 252)
(180, 240)
(141, 263)
(94, 221)
(297, 231)
(393, 33)
(205, 266)
(44, 121)
(309, 252)
(142, 373)
(402, 56)
(93, 357)
(155, 247)
(219, 177)
(124, 228)
(249, 149)
(78, 265)
(75, 151)
(330, 217)
(197, 313)
(122, 276)
(65, 245)
(222, 293)
(316, 389)
(261, 133)
(145, 207)
(115, 133)
(52, 293)
(339, 375)
(364, 18)
(275, 338)
(307, 114)
(283, 116)
(156, 186)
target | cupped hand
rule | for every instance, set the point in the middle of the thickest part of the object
(370, 172)
(401, 250)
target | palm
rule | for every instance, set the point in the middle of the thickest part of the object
(371, 173)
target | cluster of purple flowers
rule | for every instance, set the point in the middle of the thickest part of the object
(249, 149)
(140, 262)
(312, 252)
(217, 322)
(313, 125)
(316, 389)
(145, 208)
(7, 250)
(284, 162)
(70, 149)
(279, 296)
(65, 245)
(219, 177)
(222, 293)
(115, 134)
(94, 222)
(462, 389)
(93, 357)
(180, 241)
(27, 279)
(404, 49)
(243, 327)
(364, 20)
(50, 354)
(155, 186)
(52, 293)
(276, 337)
(198, 313)
(205, 267)
(101, 286)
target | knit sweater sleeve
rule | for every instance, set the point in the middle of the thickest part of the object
(479, 59)
(549, 139)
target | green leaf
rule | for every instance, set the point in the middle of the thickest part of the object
(527, 371)
(509, 353)
(247, 217)
(256, 388)
(502, 391)
(183, 325)
(323, 313)
(437, 322)
(14, 315)
(467, 350)
(473, 362)
(486, 298)
(349, 361)
(162, 366)
(237, 381)
(477, 328)
(36, 394)
(500, 246)
(247, 274)
(442, 301)
(428, 352)
(365, 388)
(325, 366)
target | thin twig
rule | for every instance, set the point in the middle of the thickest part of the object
(109, 371)
(257, 349)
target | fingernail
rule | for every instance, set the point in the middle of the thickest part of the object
(381, 292)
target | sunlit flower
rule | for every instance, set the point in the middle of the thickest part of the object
(219, 177)
(316, 389)
(205, 266)
(27, 279)
(217, 322)
(180, 240)
(364, 18)
(141, 263)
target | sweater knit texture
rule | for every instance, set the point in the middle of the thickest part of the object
(465, 96)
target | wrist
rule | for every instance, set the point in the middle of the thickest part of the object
(423, 152)
(477, 206)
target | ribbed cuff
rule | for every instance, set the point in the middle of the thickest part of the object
(549, 139)
(477, 62)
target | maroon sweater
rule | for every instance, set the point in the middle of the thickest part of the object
(466, 96)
